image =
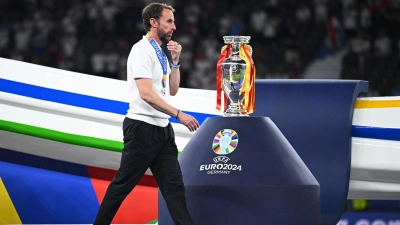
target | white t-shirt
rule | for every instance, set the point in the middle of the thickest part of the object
(143, 63)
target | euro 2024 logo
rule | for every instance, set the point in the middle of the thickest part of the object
(224, 143)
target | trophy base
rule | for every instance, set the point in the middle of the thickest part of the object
(235, 112)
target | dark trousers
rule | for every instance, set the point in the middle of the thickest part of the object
(145, 146)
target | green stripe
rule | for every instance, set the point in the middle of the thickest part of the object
(63, 137)
(153, 222)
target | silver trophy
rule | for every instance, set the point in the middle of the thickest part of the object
(233, 76)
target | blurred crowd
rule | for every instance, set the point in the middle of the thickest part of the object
(372, 31)
(95, 36)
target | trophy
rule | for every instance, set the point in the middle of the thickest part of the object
(236, 77)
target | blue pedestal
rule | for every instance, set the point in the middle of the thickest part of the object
(258, 179)
(315, 116)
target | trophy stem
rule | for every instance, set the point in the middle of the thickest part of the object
(235, 51)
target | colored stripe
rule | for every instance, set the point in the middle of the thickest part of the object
(78, 100)
(376, 133)
(63, 137)
(364, 104)
(8, 214)
(142, 201)
(46, 197)
(63, 97)
(63, 184)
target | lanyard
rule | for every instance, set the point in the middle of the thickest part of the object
(163, 61)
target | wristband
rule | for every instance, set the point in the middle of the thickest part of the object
(177, 114)
(177, 65)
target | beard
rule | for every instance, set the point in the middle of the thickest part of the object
(164, 37)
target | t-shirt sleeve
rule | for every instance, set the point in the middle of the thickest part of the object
(141, 63)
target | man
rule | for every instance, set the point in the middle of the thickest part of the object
(149, 139)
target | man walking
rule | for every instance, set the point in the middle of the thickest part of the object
(149, 140)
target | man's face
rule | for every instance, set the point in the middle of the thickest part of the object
(166, 26)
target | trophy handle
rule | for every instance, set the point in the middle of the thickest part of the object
(251, 50)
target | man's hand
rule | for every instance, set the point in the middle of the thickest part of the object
(189, 121)
(175, 48)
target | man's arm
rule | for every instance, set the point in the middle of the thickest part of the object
(174, 80)
(152, 98)
(175, 48)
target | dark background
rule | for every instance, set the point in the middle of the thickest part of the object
(95, 36)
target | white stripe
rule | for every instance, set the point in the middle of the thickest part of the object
(63, 80)
(377, 117)
(60, 151)
(60, 117)
(373, 190)
(380, 98)
(375, 167)
(196, 100)
(82, 155)
(375, 154)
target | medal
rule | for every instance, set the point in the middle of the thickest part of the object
(163, 83)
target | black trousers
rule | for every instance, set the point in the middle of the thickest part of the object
(145, 146)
